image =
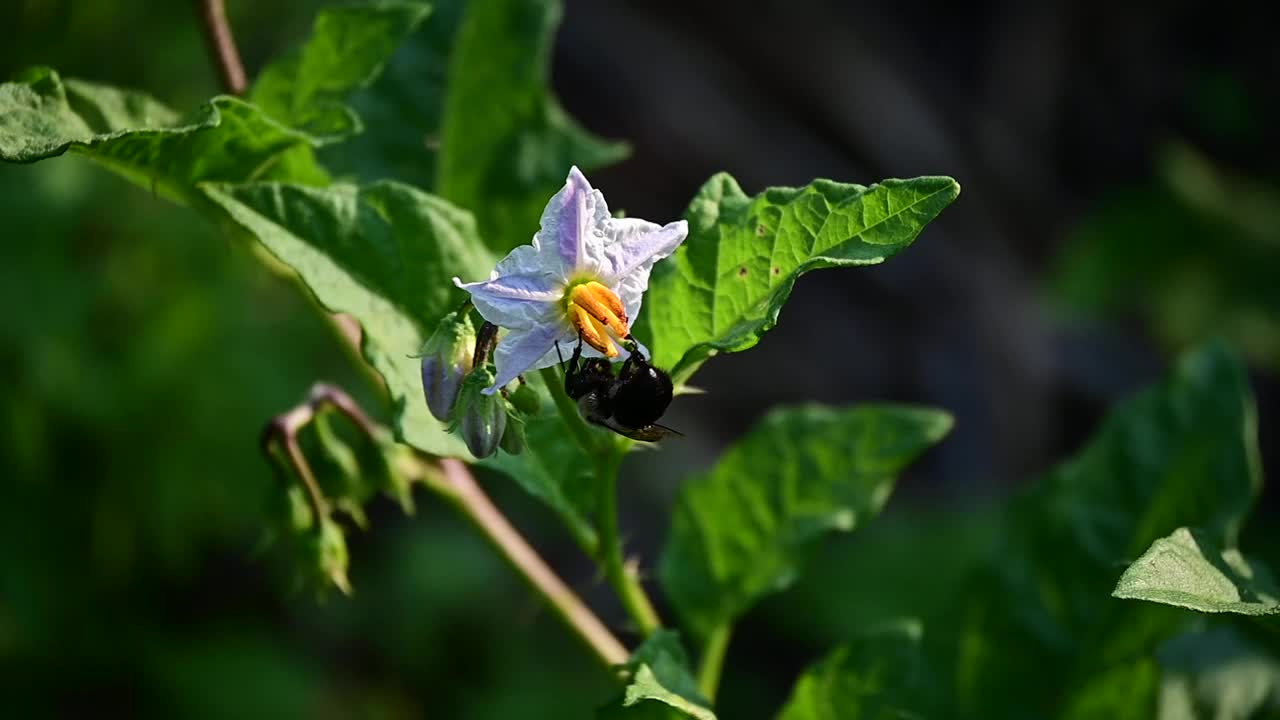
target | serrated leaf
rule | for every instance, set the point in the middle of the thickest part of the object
(1187, 569)
(505, 142)
(663, 658)
(225, 140)
(1182, 452)
(384, 253)
(741, 531)
(727, 283)
(347, 50)
(875, 677)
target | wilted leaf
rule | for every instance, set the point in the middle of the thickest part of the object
(225, 140)
(727, 283)
(875, 677)
(506, 144)
(741, 531)
(383, 253)
(1188, 570)
(346, 51)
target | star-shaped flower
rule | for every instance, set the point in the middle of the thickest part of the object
(582, 276)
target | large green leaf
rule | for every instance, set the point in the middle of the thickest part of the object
(402, 109)
(741, 531)
(877, 676)
(383, 253)
(346, 51)
(1038, 619)
(727, 283)
(506, 144)
(225, 140)
(1187, 569)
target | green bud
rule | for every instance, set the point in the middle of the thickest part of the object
(481, 419)
(526, 400)
(446, 358)
(331, 555)
(513, 439)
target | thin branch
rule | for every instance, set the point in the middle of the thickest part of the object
(524, 559)
(222, 46)
(454, 481)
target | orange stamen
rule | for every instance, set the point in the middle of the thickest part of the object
(591, 330)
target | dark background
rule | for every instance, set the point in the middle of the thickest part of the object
(1119, 204)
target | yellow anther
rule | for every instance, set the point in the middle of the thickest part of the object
(591, 330)
(603, 305)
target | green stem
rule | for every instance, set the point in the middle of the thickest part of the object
(625, 583)
(569, 411)
(712, 663)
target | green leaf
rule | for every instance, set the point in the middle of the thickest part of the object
(1125, 692)
(875, 677)
(1181, 453)
(384, 253)
(663, 659)
(403, 108)
(506, 145)
(225, 140)
(1188, 570)
(1215, 673)
(648, 692)
(741, 531)
(347, 50)
(727, 283)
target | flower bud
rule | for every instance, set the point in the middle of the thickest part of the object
(513, 437)
(526, 400)
(481, 419)
(446, 358)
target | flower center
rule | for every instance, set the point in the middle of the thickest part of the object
(593, 310)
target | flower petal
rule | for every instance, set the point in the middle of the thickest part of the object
(522, 350)
(626, 260)
(570, 223)
(514, 301)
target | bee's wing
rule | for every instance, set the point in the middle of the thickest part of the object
(649, 433)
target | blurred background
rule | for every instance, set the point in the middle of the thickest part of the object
(1121, 202)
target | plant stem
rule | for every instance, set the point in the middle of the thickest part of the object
(625, 581)
(713, 652)
(222, 46)
(460, 487)
(569, 411)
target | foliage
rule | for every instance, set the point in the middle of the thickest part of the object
(312, 175)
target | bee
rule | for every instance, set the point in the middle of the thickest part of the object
(629, 403)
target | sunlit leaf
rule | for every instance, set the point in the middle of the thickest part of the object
(647, 697)
(383, 253)
(1189, 570)
(346, 51)
(726, 285)
(505, 142)
(741, 531)
(877, 676)
(225, 140)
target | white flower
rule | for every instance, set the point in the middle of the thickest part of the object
(584, 273)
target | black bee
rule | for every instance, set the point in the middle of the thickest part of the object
(629, 403)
